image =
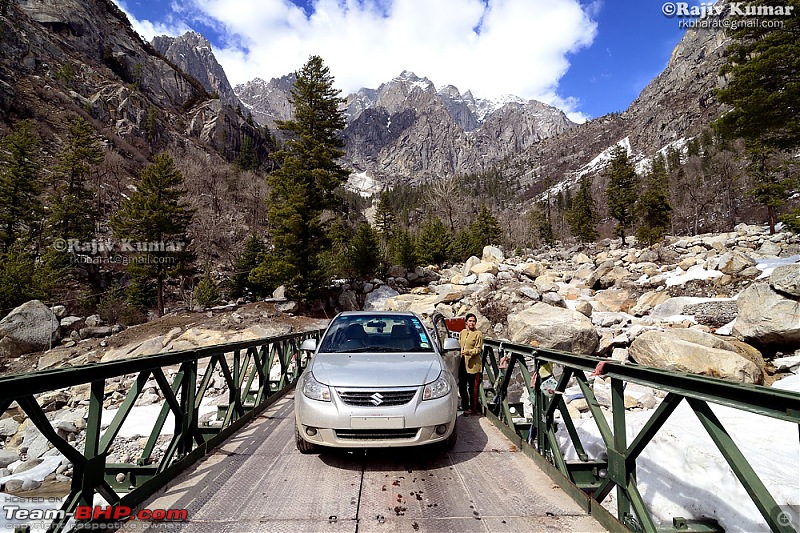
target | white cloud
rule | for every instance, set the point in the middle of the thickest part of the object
(491, 47)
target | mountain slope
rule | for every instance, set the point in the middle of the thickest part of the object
(192, 53)
(82, 58)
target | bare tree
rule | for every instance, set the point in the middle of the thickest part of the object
(444, 199)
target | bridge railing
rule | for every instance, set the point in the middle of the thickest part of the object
(255, 373)
(595, 478)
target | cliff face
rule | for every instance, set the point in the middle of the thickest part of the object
(68, 58)
(408, 131)
(192, 53)
(677, 105)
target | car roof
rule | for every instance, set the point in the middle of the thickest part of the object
(377, 313)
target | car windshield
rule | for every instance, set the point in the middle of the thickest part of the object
(376, 333)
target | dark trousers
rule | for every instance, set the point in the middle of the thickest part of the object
(468, 387)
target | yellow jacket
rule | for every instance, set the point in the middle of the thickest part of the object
(472, 346)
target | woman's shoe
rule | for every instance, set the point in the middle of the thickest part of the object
(468, 412)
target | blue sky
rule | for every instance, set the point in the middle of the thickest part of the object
(587, 58)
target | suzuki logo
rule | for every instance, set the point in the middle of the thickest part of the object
(376, 399)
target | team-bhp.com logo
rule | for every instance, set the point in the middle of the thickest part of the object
(84, 513)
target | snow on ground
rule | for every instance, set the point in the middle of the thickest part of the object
(679, 473)
(682, 473)
(766, 266)
(363, 184)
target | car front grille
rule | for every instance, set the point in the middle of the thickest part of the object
(376, 434)
(376, 398)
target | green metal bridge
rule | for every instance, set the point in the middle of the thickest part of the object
(241, 472)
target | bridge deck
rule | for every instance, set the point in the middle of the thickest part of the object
(259, 482)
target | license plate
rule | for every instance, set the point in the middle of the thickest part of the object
(377, 422)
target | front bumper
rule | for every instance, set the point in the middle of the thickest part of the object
(338, 425)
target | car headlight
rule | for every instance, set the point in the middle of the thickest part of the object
(436, 389)
(315, 390)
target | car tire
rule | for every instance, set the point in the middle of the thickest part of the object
(303, 446)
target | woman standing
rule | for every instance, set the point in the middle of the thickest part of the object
(469, 371)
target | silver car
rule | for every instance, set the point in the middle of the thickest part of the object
(376, 379)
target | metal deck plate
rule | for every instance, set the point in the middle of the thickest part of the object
(258, 482)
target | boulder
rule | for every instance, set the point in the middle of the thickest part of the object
(492, 254)
(647, 301)
(376, 300)
(553, 327)
(614, 300)
(348, 301)
(735, 262)
(484, 267)
(689, 350)
(767, 318)
(786, 279)
(531, 269)
(31, 327)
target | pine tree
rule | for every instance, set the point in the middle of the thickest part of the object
(486, 229)
(206, 293)
(582, 217)
(72, 211)
(763, 90)
(764, 83)
(155, 216)
(653, 209)
(464, 245)
(403, 250)
(541, 222)
(304, 184)
(20, 167)
(385, 218)
(247, 159)
(621, 190)
(251, 256)
(433, 242)
(363, 254)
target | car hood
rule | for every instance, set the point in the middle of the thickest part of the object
(376, 369)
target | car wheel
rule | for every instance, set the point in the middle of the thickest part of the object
(303, 446)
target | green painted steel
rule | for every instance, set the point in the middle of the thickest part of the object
(246, 368)
(597, 478)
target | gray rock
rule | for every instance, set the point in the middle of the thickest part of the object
(94, 321)
(7, 457)
(376, 300)
(72, 323)
(288, 307)
(95, 332)
(694, 351)
(786, 279)
(553, 327)
(767, 318)
(348, 301)
(8, 426)
(30, 327)
(555, 299)
(715, 313)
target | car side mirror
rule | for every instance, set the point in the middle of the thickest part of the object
(451, 344)
(309, 345)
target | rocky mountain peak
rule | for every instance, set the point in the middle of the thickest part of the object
(267, 101)
(193, 54)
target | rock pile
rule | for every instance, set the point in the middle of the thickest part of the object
(734, 295)
(720, 305)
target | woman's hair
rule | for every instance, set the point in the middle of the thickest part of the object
(470, 315)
